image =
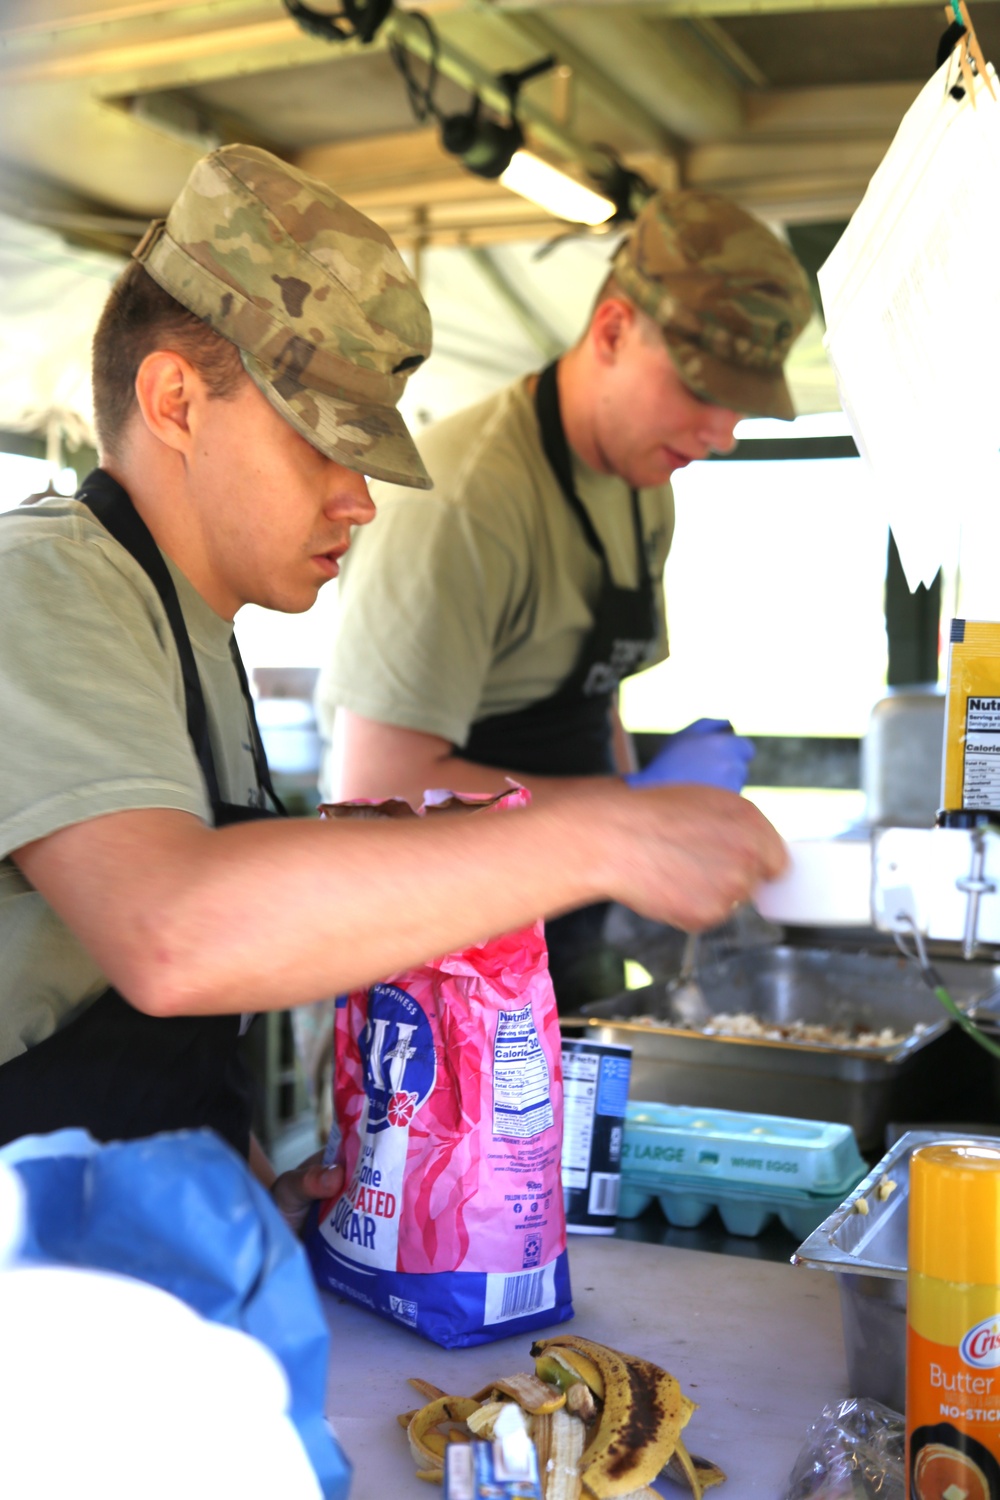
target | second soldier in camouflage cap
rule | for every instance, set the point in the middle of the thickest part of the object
(327, 318)
(729, 297)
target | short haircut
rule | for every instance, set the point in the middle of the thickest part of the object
(138, 318)
(611, 290)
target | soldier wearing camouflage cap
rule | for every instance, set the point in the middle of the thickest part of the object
(246, 372)
(729, 298)
(328, 321)
(541, 550)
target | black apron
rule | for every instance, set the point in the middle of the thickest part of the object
(569, 733)
(113, 1070)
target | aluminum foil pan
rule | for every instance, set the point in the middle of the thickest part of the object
(864, 1242)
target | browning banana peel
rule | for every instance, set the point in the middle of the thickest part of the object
(604, 1423)
(681, 1469)
(640, 1420)
(699, 1474)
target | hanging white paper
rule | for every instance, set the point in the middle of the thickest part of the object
(911, 295)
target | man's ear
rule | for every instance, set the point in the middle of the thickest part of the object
(167, 387)
(612, 322)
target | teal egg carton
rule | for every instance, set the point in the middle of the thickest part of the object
(751, 1167)
(744, 1211)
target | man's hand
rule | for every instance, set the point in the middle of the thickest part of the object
(687, 855)
(296, 1191)
(706, 752)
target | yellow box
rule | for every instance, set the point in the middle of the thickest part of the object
(972, 717)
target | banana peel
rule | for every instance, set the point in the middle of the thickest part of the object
(482, 1421)
(580, 1401)
(541, 1436)
(427, 1444)
(531, 1394)
(604, 1423)
(561, 1477)
(565, 1365)
(640, 1422)
(681, 1469)
(426, 1389)
(699, 1474)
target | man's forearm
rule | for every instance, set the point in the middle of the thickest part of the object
(376, 760)
(185, 919)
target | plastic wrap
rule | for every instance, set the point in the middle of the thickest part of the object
(855, 1451)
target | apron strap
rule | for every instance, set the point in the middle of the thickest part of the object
(259, 754)
(112, 506)
(557, 452)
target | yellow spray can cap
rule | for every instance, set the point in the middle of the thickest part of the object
(955, 1212)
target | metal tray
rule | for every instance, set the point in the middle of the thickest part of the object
(868, 1254)
(863, 1087)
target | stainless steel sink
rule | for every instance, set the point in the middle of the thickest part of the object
(865, 1087)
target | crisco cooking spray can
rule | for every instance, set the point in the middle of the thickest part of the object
(953, 1323)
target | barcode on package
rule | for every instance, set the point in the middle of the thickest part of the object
(519, 1294)
(603, 1197)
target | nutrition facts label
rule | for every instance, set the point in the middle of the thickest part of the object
(521, 1103)
(981, 784)
(580, 1074)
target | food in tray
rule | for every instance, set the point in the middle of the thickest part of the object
(604, 1424)
(745, 1024)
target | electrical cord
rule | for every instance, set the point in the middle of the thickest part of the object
(420, 93)
(937, 986)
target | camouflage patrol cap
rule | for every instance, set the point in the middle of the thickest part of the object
(327, 318)
(730, 298)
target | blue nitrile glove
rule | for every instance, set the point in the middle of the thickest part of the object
(707, 752)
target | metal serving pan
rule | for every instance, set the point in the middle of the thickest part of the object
(868, 1253)
(863, 1087)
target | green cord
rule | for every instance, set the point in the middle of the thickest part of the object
(966, 1022)
(933, 980)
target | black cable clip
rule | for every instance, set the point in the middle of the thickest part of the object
(355, 21)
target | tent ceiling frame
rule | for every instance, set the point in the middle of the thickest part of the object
(790, 152)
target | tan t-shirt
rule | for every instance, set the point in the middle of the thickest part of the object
(475, 598)
(93, 722)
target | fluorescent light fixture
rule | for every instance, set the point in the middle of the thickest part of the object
(554, 191)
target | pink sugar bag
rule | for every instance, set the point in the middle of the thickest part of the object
(448, 1098)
